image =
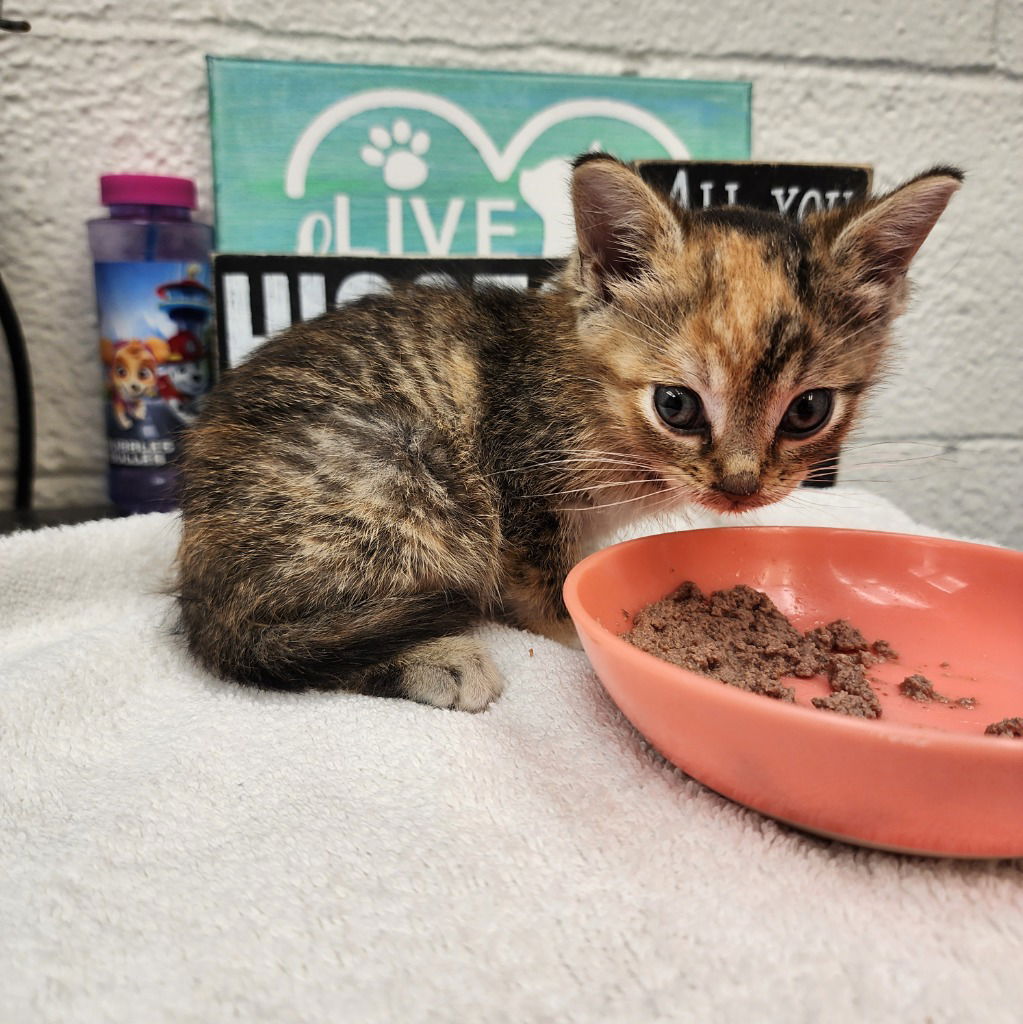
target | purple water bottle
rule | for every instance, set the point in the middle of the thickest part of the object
(155, 306)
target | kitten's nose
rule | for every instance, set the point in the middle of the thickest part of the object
(739, 485)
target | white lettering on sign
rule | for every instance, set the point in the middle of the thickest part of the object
(785, 200)
(395, 231)
(238, 318)
(811, 201)
(791, 199)
(319, 235)
(680, 190)
(810, 196)
(276, 303)
(434, 279)
(486, 230)
(437, 244)
(355, 286)
(312, 293)
(518, 281)
(311, 241)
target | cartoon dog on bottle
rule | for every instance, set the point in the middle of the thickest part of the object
(185, 378)
(132, 376)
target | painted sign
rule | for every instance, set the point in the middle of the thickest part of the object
(365, 161)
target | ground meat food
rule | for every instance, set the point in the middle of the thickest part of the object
(884, 650)
(920, 688)
(740, 637)
(841, 637)
(847, 704)
(737, 636)
(846, 638)
(1006, 727)
(851, 693)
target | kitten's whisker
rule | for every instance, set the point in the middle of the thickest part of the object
(597, 455)
(665, 326)
(885, 480)
(895, 472)
(852, 473)
(591, 487)
(894, 458)
(664, 506)
(811, 496)
(846, 465)
(663, 338)
(857, 446)
(624, 501)
(805, 501)
(654, 350)
(588, 451)
(825, 512)
(935, 460)
(848, 322)
(602, 465)
(586, 467)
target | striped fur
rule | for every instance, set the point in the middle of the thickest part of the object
(372, 483)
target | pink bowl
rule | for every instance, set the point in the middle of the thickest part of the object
(921, 779)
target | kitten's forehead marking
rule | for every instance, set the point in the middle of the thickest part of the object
(748, 330)
(749, 310)
(782, 242)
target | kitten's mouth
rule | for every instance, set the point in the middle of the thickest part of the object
(735, 504)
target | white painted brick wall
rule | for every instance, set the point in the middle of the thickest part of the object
(117, 85)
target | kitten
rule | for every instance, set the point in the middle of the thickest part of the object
(372, 483)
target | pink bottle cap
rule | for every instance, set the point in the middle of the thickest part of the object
(146, 190)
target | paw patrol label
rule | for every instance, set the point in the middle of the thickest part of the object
(155, 324)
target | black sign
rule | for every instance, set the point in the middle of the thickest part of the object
(258, 296)
(792, 189)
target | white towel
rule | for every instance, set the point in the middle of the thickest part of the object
(175, 848)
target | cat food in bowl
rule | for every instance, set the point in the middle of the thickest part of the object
(922, 776)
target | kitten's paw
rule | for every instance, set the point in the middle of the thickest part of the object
(453, 672)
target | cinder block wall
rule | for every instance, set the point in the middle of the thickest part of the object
(116, 85)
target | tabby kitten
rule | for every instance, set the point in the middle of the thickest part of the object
(372, 483)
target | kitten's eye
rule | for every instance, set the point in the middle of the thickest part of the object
(807, 413)
(679, 407)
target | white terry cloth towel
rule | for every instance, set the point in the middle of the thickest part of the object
(177, 848)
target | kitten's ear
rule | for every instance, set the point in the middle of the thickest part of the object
(881, 239)
(618, 221)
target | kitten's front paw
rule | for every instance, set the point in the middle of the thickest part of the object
(453, 672)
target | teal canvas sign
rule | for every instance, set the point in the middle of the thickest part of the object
(358, 160)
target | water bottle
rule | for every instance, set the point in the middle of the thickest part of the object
(155, 304)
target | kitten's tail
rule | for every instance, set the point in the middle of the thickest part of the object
(325, 649)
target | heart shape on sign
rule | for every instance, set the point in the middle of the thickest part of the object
(501, 163)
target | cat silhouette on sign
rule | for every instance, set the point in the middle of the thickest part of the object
(546, 188)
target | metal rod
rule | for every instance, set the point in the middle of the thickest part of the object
(23, 400)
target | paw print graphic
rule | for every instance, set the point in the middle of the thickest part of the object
(400, 153)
